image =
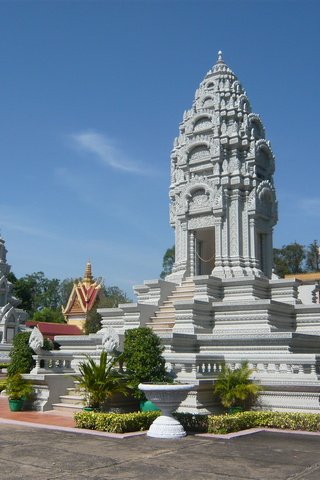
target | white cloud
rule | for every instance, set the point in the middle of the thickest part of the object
(106, 152)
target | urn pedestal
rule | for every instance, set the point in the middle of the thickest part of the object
(168, 398)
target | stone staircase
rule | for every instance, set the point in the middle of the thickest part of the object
(164, 318)
(71, 402)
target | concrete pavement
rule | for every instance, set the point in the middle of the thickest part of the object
(30, 453)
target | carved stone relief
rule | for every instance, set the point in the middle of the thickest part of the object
(110, 340)
(36, 340)
(199, 154)
(203, 221)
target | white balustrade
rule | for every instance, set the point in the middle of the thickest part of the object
(212, 368)
(53, 362)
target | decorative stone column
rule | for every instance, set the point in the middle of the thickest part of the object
(192, 253)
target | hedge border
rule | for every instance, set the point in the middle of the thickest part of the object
(216, 424)
(115, 422)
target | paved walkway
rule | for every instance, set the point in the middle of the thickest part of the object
(46, 446)
(45, 418)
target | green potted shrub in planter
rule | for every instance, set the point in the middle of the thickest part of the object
(144, 362)
(234, 389)
(100, 381)
(18, 390)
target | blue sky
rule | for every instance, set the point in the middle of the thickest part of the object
(91, 95)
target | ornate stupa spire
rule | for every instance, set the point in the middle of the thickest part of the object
(220, 60)
(223, 205)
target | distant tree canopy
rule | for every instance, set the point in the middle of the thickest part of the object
(296, 258)
(168, 261)
(48, 315)
(313, 257)
(36, 292)
(42, 298)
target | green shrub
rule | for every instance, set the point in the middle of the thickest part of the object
(86, 420)
(17, 387)
(142, 355)
(4, 365)
(281, 420)
(193, 422)
(234, 387)
(21, 354)
(3, 384)
(115, 422)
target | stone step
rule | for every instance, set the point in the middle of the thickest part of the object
(182, 296)
(161, 314)
(72, 399)
(162, 329)
(166, 303)
(167, 308)
(72, 391)
(164, 318)
(159, 325)
(66, 407)
(185, 288)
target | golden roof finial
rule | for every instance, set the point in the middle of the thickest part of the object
(88, 278)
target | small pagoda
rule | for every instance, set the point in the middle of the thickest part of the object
(83, 297)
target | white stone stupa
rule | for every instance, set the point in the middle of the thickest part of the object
(221, 304)
(11, 317)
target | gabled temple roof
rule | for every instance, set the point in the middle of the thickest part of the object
(83, 295)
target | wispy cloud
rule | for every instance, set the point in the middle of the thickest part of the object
(16, 221)
(106, 152)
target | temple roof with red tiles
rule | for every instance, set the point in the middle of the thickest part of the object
(50, 330)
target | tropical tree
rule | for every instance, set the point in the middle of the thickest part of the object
(234, 387)
(279, 263)
(100, 381)
(36, 291)
(110, 297)
(294, 254)
(168, 261)
(93, 321)
(313, 257)
(48, 315)
(289, 259)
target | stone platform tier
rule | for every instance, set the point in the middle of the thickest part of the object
(206, 322)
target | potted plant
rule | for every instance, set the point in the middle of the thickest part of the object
(100, 381)
(234, 389)
(18, 390)
(144, 362)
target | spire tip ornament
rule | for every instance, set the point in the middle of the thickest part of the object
(88, 278)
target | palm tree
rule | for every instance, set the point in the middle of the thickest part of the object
(100, 381)
(234, 387)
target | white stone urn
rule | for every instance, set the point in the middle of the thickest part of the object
(166, 396)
